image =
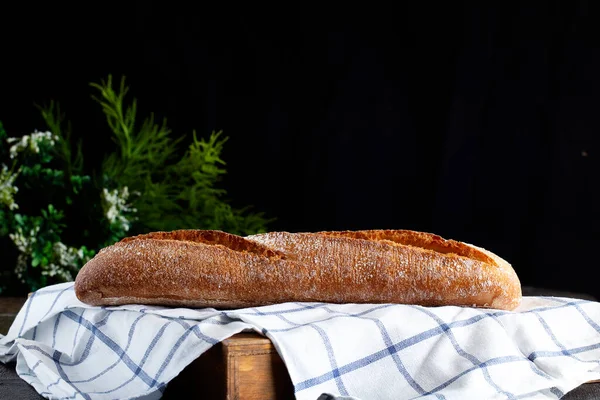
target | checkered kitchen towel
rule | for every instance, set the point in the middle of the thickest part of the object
(66, 349)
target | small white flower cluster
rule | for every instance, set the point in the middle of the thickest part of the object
(21, 267)
(68, 258)
(115, 206)
(24, 242)
(56, 270)
(7, 188)
(31, 142)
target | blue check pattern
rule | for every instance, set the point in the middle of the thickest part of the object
(547, 347)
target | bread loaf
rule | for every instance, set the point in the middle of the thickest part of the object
(203, 268)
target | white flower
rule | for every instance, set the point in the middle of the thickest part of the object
(31, 142)
(67, 256)
(67, 260)
(54, 270)
(7, 188)
(115, 206)
(21, 266)
(24, 242)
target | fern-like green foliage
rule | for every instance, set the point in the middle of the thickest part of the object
(2, 134)
(54, 119)
(169, 191)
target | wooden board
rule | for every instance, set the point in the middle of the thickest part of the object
(245, 366)
(9, 308)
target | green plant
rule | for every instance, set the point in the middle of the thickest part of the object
(35, 224)
(161, 181)
(150, 182)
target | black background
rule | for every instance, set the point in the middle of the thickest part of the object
(474, 121)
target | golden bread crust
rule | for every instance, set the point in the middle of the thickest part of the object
(194, 268)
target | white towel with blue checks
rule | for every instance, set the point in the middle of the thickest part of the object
(545, 348)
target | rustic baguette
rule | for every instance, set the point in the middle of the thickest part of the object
(193, 268)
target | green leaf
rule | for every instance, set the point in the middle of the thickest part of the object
(3, 134)
(19, 219)
(4, 223)
(55, 120)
